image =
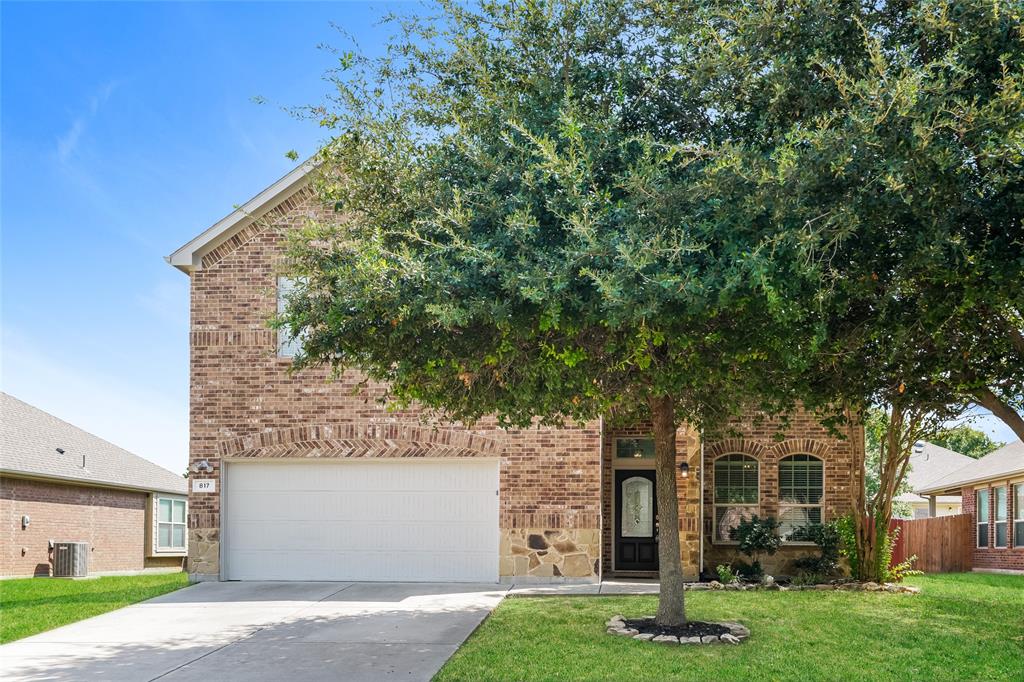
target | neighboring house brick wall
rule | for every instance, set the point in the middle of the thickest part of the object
(242, 393)
(111, 521)
(1009, 558)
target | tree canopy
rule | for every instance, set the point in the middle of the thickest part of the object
(673, 211)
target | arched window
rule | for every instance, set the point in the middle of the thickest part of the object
(736, 493)
(801, 493)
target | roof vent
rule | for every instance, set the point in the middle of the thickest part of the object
(919, 447)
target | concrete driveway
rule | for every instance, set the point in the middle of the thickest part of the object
(263, 631)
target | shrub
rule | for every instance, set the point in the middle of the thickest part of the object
(848, 542)
(757, 535)
(807, 579)
(725, 574)
(827, 537)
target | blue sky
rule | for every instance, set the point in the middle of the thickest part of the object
(127, 129)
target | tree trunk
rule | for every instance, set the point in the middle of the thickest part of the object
(991, 402)
(671, 609)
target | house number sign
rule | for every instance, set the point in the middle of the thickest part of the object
(204, 485)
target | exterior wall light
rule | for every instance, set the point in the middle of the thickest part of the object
(202, 466)
(684, 469)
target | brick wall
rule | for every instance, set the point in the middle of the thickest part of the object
(1009, 558)
(111, 521)
(767, 442)
(553, 487)
(245, 404)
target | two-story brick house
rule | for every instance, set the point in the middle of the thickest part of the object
(309, 478)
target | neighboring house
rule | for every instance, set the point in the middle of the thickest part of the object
(308, 478)
(929, 463)
(59, 483)
(992, 490)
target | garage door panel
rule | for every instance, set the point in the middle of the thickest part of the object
(362, 520)
(361, 506)
(344, 536)
(360, 476)
(325, 565)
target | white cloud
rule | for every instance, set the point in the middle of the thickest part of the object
(67, 144)
(148, 422)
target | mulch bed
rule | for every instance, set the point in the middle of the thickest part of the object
(693, 628)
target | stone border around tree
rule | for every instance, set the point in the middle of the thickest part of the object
(737, 634)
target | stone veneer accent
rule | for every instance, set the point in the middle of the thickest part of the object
(547, 554)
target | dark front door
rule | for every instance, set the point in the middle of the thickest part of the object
(636, 521)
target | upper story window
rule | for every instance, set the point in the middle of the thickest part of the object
(981, 512)
(1001, 516)
(736, 493)
(801, 492)
(171, 525)
(287, 345)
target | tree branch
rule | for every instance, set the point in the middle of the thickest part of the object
(1000, 409)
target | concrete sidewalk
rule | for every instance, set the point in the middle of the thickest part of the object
(618, 586)
(263, 631)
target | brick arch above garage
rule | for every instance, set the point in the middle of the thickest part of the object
(390, 440)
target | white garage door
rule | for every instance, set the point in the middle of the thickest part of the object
(401, 520)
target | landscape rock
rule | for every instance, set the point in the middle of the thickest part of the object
(709, 639)
(644, 636)
(666, 639)
(729, 639)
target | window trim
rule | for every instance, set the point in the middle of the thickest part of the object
(790, 505)
(995, 517)
(171, 549)
(715, 504)
(977, 518)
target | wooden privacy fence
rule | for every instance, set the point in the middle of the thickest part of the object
(944, 544)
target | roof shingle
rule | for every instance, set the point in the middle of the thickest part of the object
(29, 439)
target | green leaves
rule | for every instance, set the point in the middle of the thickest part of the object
(732, 203)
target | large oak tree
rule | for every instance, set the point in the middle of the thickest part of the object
(517, 234)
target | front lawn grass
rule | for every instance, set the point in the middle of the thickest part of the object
(32, 605)
(961, 627)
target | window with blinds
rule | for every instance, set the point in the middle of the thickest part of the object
(736, 493)
(801, 493)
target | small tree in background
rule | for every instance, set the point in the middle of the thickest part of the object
(966, 441)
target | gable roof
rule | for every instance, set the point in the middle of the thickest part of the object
(1005, 462)
(189, 257)
(29, 439)
(930, 462)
